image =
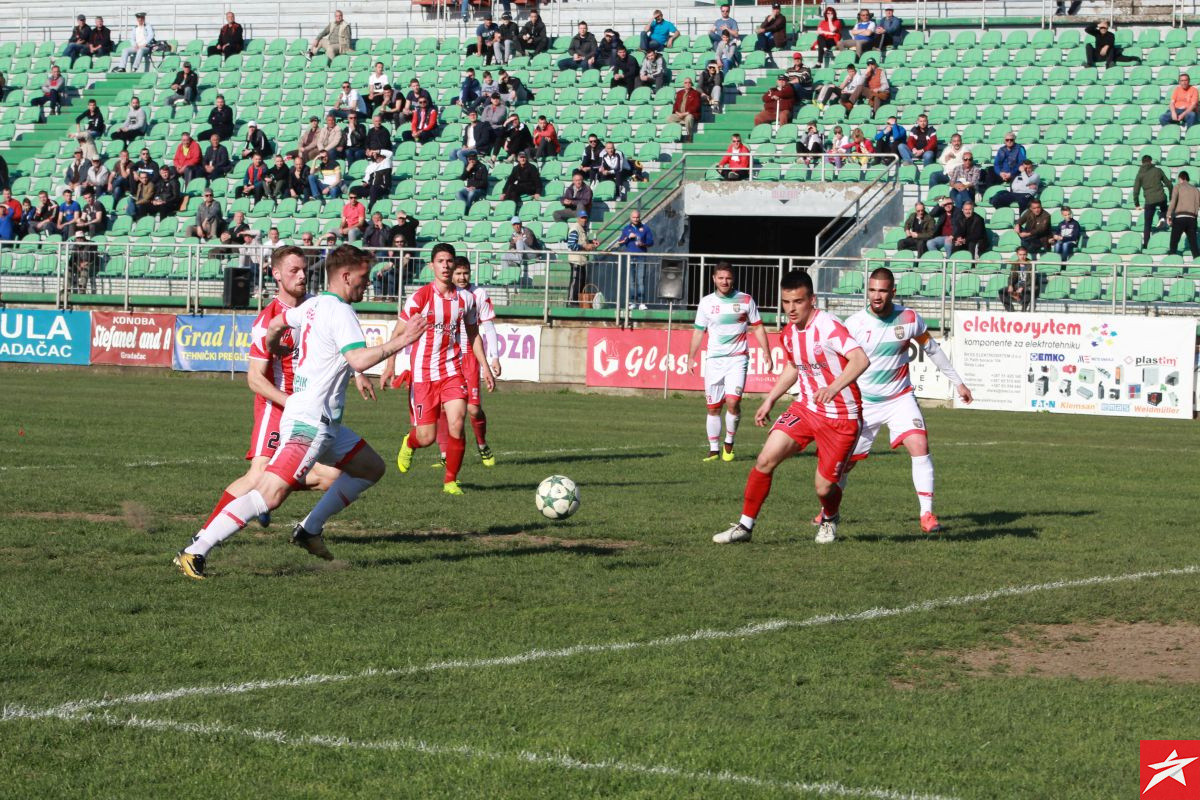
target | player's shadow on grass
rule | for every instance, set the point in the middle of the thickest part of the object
(564, 459)
(415, 537)
(497, 552)
(518, 486)
(978, 526)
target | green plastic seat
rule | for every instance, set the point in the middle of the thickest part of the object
(1181, 291)
(1057, 287)
(1150, 290)
(1087, 289)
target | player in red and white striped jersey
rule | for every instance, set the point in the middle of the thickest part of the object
(826, 360)
(270, 378)
(438, 380)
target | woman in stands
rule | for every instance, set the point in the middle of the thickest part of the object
(829, 36)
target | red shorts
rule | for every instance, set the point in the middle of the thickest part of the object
(835, 438)
(264, 438)
(471, 373)
(427, 397)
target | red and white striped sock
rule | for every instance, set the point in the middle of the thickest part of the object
(231, 520)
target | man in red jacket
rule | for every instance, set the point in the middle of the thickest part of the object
(424, 123)
(686, 110)
(187, 158)
(777, 103)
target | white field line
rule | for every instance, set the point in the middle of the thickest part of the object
(530, 656)
(557, 760)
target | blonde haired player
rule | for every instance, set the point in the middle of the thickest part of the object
(726, 315)
(886, 330)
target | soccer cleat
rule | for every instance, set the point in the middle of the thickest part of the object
(727, 453)
(737, 532)
(440, 463)
(485, 455)
(713, 455)
(190, 565)
(404, 457)
(929, 523)
(312, 542)
(828, 530)
(264, 519)
(452, 487)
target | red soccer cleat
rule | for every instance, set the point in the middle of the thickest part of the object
(929, 523)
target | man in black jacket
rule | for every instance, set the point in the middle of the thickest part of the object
(405, 226)
(220, 120)
(517, 138)
(523, 180)
(607, 47)
(81, 34)
(298, 178)
(168, 194)
(230, 41)
(533, 39)
(589, 165)
(216, 161)
(378, 137)
(256, 142)
(475, 182)
(476, 138)
(625, 70)
(1104, 47)
(185, 85)
(100, 42)
(581, 53)
(970, 232)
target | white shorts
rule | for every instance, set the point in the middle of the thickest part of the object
(303, 443)
(724, 377)
(902, 416)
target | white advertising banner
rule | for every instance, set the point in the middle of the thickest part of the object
(378, 331)
(520, 349)
(1103, 364)
(927, 380)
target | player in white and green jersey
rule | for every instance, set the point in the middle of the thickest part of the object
(727, 315)
(886, 331)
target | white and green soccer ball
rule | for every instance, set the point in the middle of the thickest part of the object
(557, 497)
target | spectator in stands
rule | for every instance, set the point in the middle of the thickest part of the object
(1026, 186)
(801, 78)
(167, 194)
(97, 177)
(82, 261)
(413, 98)
(54, 91)
(510, 89)
(576, 197)
(862, 35)
(354, 219)
(377, 179)
(606, 48)
(146, 165)
(772, 32)
(307, 147)
(77, 172)
(579, 243)
(1033, 227)
(377, 81)
(834, 92)
(494, 115)
(829, 36)
(209, 220)
(66, 215)
(378, 137)
(520, 242)
(950, 158)
(391, 107)
(121, 178)
(589, 163)
(1156, 186)
(254, 179)
(1181, 214)
(475, 181)
(349, 100)
(625, 70)
(533, 39)
(468, 91)
(326, 179)
(1006, 164)
(334, 38)
(185, 86)
(891, 138)
(232, 231)
(8, 224)
(356, 139)
(891, 30)
(298, 178)
(44, 215)
(256, 142)
(5, 182)
(637, 238)
(387, 279)
(581, 51)
(616, 168)
(516, 138)
(964, 181)
(1022, 282)
(89, 126)
(860, 147)
(77, 44)
(476, 138)
(231, 40)
(424, 123)
(545, 141)
(485, 33)
(220, 120)
(1062, 7)
(331, 139)
(919, 228)
(188, 159)
(216, 163)
(735, 164)
(922, 142)
(488, 88)
(405, 226)
(93, 218)
(712, 85)
(505, 42)
(727, 51)
(1104, 47)
(686, 109)
(659, 34)
(967, 232)
(1067, 234)
(140, 39)
(100, 42)
(278, 179)
(524, 180)
(809, 143)
(873, 88)
(375, 237)
(777, 103)
(723, 23)
(1185, 104)
(653, 72)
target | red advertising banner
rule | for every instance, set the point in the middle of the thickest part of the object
(639, 359)
(132, 339)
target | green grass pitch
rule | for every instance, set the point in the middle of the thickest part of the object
(104, 477)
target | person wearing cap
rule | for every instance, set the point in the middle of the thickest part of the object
(475, 181)
(81, 34)
(607, 47)
(581, 52)
(521, 241)
(872, 86)
(216, 162)
(210, 222)
(485, 32)
(82, 261)
(653, 72)
(349, 100)
(140, 39)
(334, 38)
(76, 174)
(89, 126)
(637, 238)
(100, 42)
(579, 244)
(256, 141)
(424, 123)
(504, 42)
(533, 38)
(659, 34)
(231, 40)
(54, 91)
(777, 103)
(576, 197)
(97, 177)
(772, 33)
(167, 194)
(712, 85)
(686, 109)
(625, 70)
(524, 180)
(184, 86)
(220, 121)
(723, 23)
(517, 138)
(377, 180)
(801, 78)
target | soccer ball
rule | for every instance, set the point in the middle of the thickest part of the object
(557, 497)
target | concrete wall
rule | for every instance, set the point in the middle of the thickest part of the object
(752, 199)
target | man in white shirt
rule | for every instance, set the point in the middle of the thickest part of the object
(950, 158)
(140, 39)
(349, 100)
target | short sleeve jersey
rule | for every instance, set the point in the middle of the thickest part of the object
(282, 367)
(819, 353)
(727, 318)
(438, 354)
(327, 329)
(886, 342)
(484, 312)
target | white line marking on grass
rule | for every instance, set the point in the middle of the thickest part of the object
(753, 629)
(561, 761)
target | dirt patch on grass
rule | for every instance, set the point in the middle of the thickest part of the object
(1143, 652)
(133, 514)
(537, 540)
(64, 515)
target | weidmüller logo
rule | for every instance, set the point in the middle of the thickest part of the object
(1166, 766)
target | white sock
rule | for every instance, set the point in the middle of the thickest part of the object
(747, 522)
(922, 472)
(713, 423)
(731, 423)
(342, 493)
(231, 520)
